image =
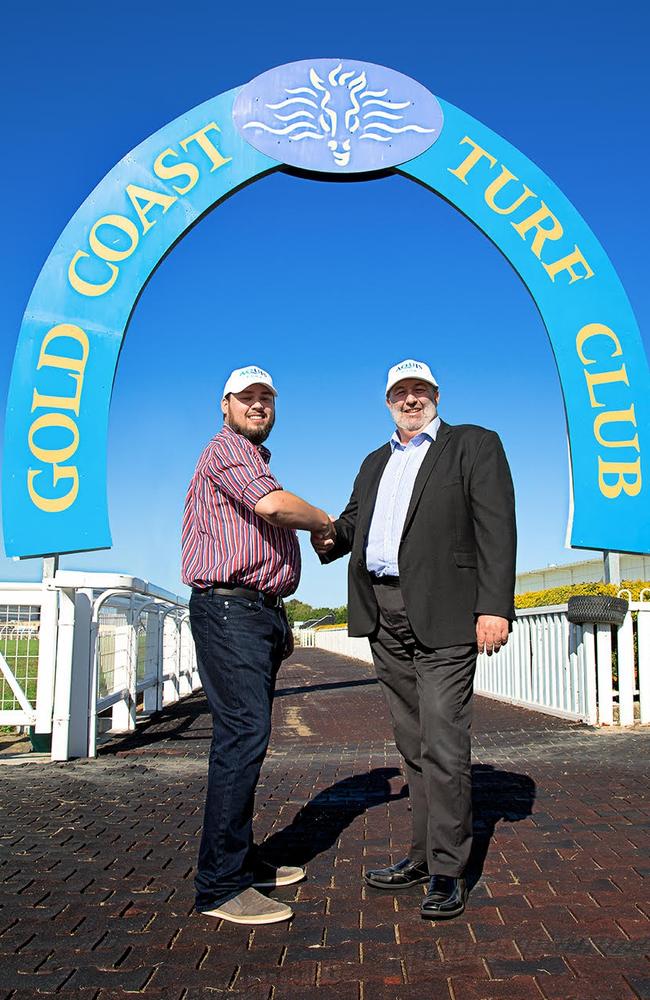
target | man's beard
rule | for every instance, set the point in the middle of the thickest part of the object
(426, 414)
(256, 434)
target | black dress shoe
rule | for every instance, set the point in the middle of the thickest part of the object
(445, 898)
(400, 876)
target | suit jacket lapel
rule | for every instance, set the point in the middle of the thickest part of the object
(370, 498)
(436, 449)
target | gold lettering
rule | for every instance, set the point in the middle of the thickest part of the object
(615, 417)
(52, 456)
(54, 504)
(567, 264)
(169, 172)
(120, 222)
(62, 402)
(63, 360)
(150, 198)
(470, 161)
(534, 221)
(620, 469)
(87, 287)
(207, 146)
(497, 185)
(596, 330)
(603, 378)
(45, 359)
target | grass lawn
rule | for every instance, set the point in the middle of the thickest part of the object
(22, 658)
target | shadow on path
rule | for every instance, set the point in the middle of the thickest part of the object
(176, 722)
(496, 796)
(334, 686)
(320, 822)
(180, 721)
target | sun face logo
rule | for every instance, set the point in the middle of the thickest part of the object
(337, 115)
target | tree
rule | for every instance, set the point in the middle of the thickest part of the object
(298, 611)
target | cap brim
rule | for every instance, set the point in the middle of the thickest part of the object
(240, 388)
(420, 378)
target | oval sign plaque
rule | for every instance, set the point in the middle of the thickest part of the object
(337, 115)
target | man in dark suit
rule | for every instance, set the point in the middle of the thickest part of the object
(431, 530)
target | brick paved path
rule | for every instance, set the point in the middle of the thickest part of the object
(98, 857)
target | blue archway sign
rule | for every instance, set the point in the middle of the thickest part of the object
(337, 116)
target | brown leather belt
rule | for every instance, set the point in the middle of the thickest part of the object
(248, 593)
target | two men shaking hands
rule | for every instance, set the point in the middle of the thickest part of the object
(430, 530)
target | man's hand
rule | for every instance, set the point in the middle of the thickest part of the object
(491, 633)
(324, 539)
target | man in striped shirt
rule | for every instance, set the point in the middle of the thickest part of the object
(240, 556)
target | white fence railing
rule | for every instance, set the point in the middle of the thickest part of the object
(598, 674)
(87, 653)
(22, 694)
(335, 640)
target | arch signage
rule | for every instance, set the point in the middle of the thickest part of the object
(338, 116)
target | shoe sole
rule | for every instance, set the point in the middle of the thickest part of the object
(395, 888)
(449, 915)
(262, 918)
(276, 883)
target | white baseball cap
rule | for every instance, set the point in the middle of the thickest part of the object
(241, 378)
(409, 369)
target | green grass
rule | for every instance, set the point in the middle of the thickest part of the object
(22, 658)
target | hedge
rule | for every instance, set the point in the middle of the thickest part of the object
(560, 595)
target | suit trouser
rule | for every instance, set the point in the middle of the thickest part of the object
(429, 694)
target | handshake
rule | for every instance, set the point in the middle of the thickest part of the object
(323, 537)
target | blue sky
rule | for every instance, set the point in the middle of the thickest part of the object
(324, 284)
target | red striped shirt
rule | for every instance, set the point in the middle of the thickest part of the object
(224, 540)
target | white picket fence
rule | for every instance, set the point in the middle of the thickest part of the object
(82, 654)
(596, 674)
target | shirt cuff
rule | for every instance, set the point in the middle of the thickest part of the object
(257, 489)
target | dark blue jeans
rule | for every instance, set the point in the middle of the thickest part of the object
(239, 646)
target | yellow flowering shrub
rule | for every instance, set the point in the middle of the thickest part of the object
(560, 595)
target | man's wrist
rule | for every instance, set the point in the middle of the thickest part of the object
(322, 522)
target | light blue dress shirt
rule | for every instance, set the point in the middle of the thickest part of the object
(393, 498)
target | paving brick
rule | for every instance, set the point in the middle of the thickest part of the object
(640, 985)
(96, 874)
(566, 987)
(521, 988)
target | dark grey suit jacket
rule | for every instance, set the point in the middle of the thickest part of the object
(457, 553)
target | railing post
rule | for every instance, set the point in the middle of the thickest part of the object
(604, 670)
(643, 637)
(119, 712)
(170, 676)
(63, 678)
(588, 650)
(625, 647)
(80, 695)
(184, 677)
(123, 713)
(133, 617)
(160, 662)
(151, 694)
(47, 636)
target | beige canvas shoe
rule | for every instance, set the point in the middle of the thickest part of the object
(251, 907)
(268, 876)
